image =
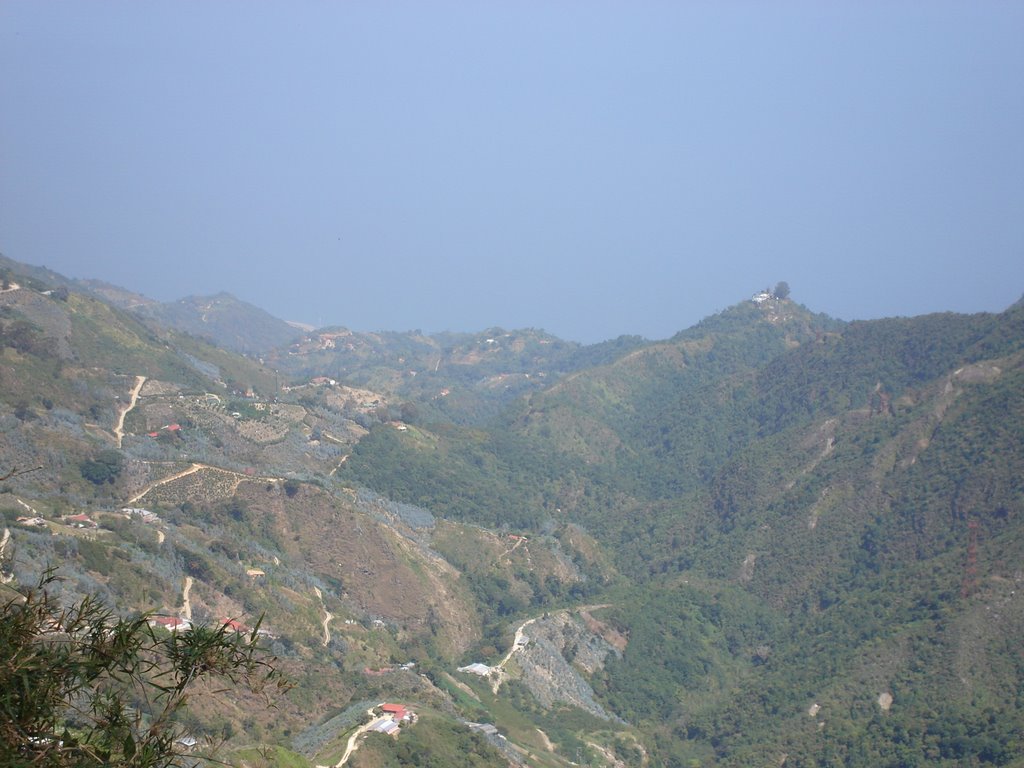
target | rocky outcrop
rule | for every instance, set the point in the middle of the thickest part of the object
(558, 647)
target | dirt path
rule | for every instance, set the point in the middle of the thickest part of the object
(340, 463)
(26, 506)
(518, 643)
(609, 756)
(508, 552)
(177, 476)
(547, 742)
(186, 604)
(119, 429)
(327, 617)
(520, 640)
(353, 740)
(195, 467)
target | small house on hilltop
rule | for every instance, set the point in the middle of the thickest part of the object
(488, 729)
(476, 668)
(397, 711)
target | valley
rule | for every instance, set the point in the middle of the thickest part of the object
(775, 538)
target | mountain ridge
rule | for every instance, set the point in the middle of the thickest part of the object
(801, 534)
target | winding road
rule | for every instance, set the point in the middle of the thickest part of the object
(353, 740)
(520, 640)
(517, 644)
(172, 478)
(195, 467)
(327, 617)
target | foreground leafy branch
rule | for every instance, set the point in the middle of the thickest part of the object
(80, 686)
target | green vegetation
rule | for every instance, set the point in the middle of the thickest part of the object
(790, 487)
(798, 539)
(433, 742)
(103, 468)
(82, 687)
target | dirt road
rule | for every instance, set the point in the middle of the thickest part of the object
(119, 429)
(518, 643)
(327, 617)
(186, 604)
(353, 740)
(195, 467)
(520, 640)
(172, 478)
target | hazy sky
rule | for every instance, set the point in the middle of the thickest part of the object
(589, 168)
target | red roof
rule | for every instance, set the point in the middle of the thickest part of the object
(397, 710)
(237, 626)
(82, 518)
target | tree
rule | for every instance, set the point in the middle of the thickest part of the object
(104, 468)
(82, 687)
(781, 290)
(410, 412)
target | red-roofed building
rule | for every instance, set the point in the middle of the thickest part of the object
(236, 626)
(397, 711)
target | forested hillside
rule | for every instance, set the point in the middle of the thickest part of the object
(772, 539)
(811, 516)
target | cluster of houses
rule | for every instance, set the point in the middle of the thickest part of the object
(82, 520)
(408, 666)
(321, 341)
(170, 623)
(240, 628)
(142, 514)
(316, 381)
(178, 624)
